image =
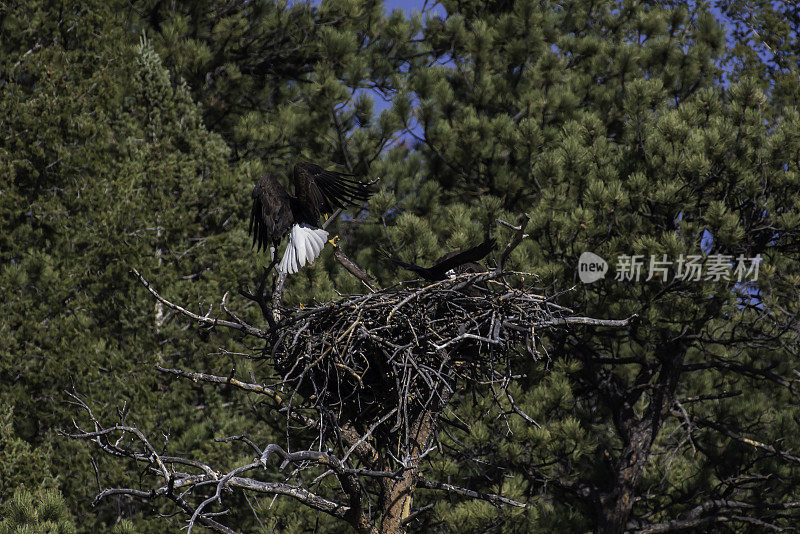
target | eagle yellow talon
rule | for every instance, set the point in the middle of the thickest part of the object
(334, 241)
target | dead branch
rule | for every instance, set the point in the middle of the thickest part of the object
(515, 241)
(260, 297)
(320, 458)
(715, 511)
(743, 439)
(202, 319)
(351, 267)
(496, 500)
(277, 296)
(279, 399)
(613, 323)
(214, 379)
(112, 439)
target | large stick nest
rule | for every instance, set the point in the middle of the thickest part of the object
(383, 358)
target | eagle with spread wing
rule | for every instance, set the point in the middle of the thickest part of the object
(452, 263)
(275, 213)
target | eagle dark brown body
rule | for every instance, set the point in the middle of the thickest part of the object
(275, 213)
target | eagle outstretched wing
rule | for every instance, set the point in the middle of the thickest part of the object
(455, 259)
(323, 191)
(422, 271)
(451, 260)
(271, 216)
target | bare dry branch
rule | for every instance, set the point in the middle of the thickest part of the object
(209, 321)
(515, 241)
(354, 269)
(497, 500)
(277, 296)
(279, 399)
(743, 439)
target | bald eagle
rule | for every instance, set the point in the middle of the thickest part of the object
(452, 263)
(275, 213)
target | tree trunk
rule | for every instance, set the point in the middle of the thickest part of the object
(398, 494)
(397, 499)
(639, 434)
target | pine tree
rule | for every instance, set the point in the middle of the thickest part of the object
(106, 166)
(763, 46)
(46, 514)
(608, 123)
(621, 128)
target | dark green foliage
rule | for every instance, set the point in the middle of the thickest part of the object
(45, 513)
(31, 502)
(764, 39)
(106, 166)
(613, 133)
(620, 127)
(20, 463)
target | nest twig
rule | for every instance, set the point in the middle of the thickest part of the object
(400, 351)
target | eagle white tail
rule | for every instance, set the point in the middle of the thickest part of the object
(305, 244)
